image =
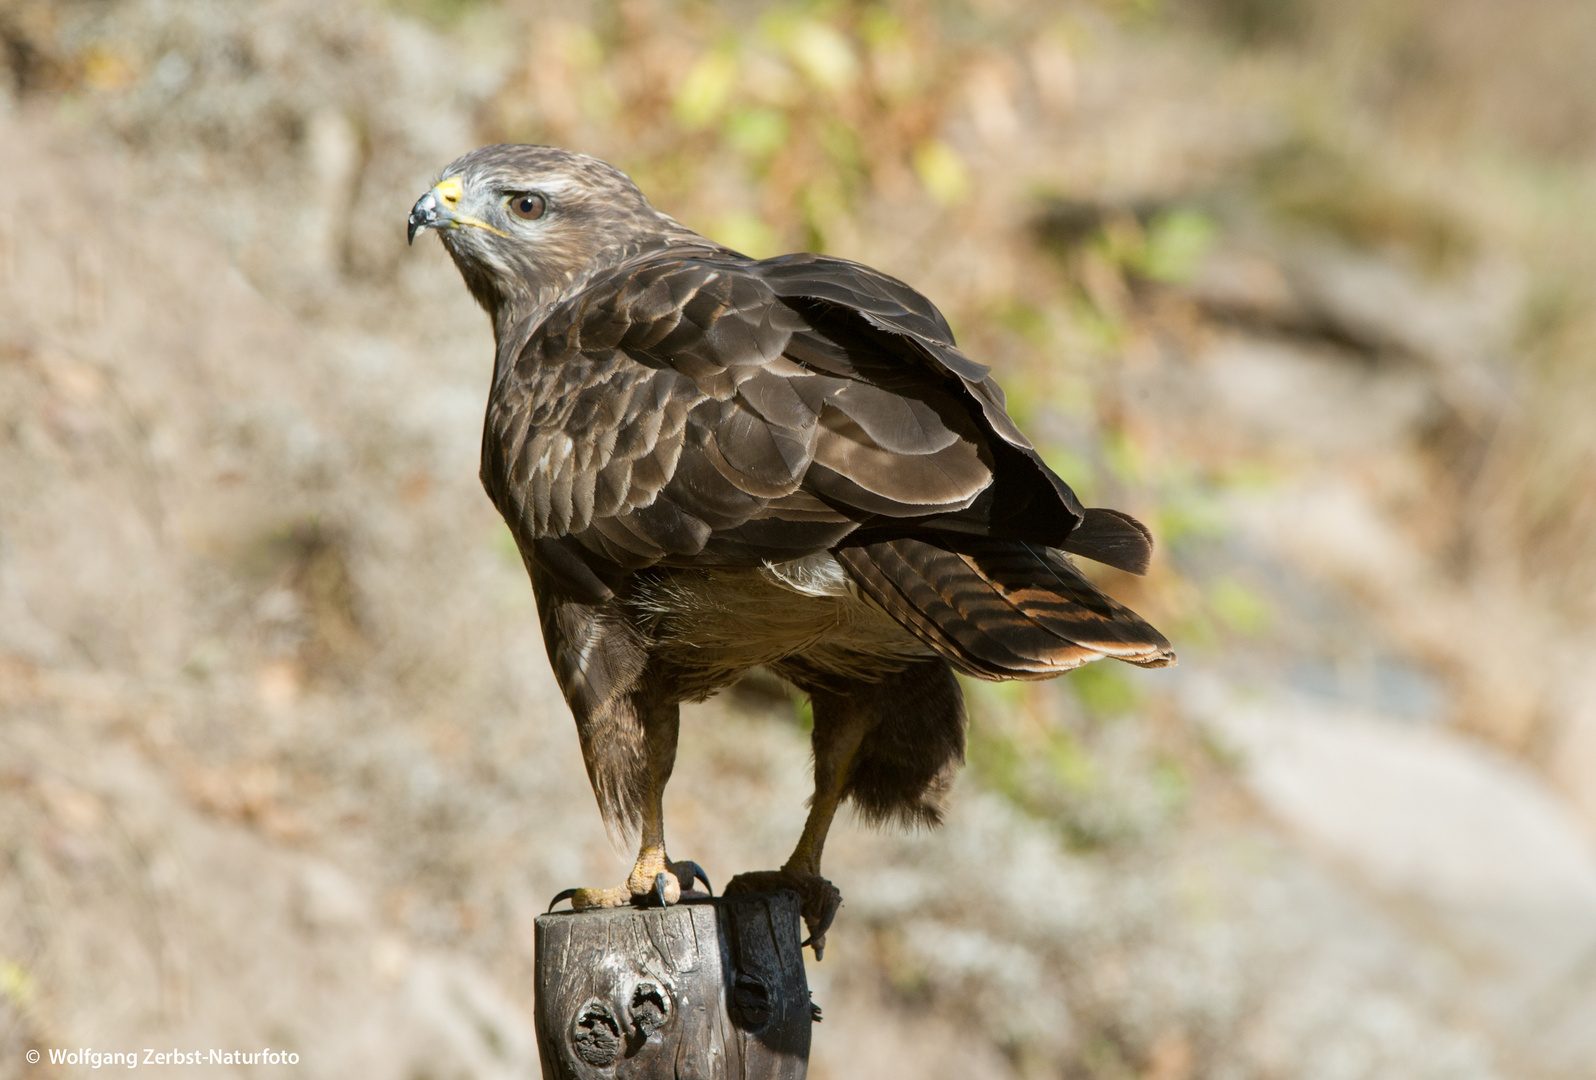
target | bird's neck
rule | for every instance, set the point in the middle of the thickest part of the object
(517, 314)
(515, 317)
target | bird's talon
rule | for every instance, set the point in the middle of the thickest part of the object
(563, 894)
(819, 897)
(660, 881)
(694, 873)
(827, 914)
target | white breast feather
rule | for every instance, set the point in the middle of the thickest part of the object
(813, 575)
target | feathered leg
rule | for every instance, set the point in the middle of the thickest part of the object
(654, 877)
(892, 747)
(839, 732)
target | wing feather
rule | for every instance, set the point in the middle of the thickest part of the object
(899, 485)
(904, 425)
(695, 407)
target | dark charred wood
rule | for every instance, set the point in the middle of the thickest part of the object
(710, 989)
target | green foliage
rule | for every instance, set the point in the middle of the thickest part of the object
(1103, 690)
(1190, 512)
(1076, 471)
(1070, 763)
(942, 172)
(804, 713)
(503, 542)
(1025, 320)
(757, 132)
(706, 89)
(1125, 457)
(1168, 247)
(1239, 606)
(998, 762)
(843, 147)
(1174, 245)
(1027, 744)
(1259, 22)
(817, 48)
(745, 232)
(1049, 774)
(1217, 750)
(1310, 180)
(441, 13)
(1170, 779)
(1104, 330)
(822, 202)
(16, 985)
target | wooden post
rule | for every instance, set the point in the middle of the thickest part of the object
(707, 989)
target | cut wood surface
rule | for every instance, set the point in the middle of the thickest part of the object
(711, 988)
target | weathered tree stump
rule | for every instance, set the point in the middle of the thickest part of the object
(704, 989)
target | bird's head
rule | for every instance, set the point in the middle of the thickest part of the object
(529, 224)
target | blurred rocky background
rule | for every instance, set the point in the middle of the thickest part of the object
(1308, 285)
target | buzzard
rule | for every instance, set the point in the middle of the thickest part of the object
(711, 462)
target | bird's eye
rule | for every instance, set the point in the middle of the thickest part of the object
(528, 207)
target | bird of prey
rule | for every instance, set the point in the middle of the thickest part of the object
(711, 462)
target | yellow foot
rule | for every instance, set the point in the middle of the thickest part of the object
(657, 885)
(819, 897)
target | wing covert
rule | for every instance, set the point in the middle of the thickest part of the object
(704, 409)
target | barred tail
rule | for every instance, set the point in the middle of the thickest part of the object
(1001, 609)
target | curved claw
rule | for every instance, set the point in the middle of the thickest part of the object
(698, 875)
(825, 923)
(563, 894)
(660, 880)
(817, 937)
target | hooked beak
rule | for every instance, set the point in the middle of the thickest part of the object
(439, 209)
(435, 209)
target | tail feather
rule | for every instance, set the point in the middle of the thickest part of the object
(1000, 609)
(1112, 537)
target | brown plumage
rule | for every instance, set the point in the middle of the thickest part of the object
(712, 462)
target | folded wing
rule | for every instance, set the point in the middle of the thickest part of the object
(699, 409)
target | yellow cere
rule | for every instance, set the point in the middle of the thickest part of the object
(449, 193)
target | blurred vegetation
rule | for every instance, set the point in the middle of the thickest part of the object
(802, 125)
(811, 106)
(1310, 182)
(1437, 133)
